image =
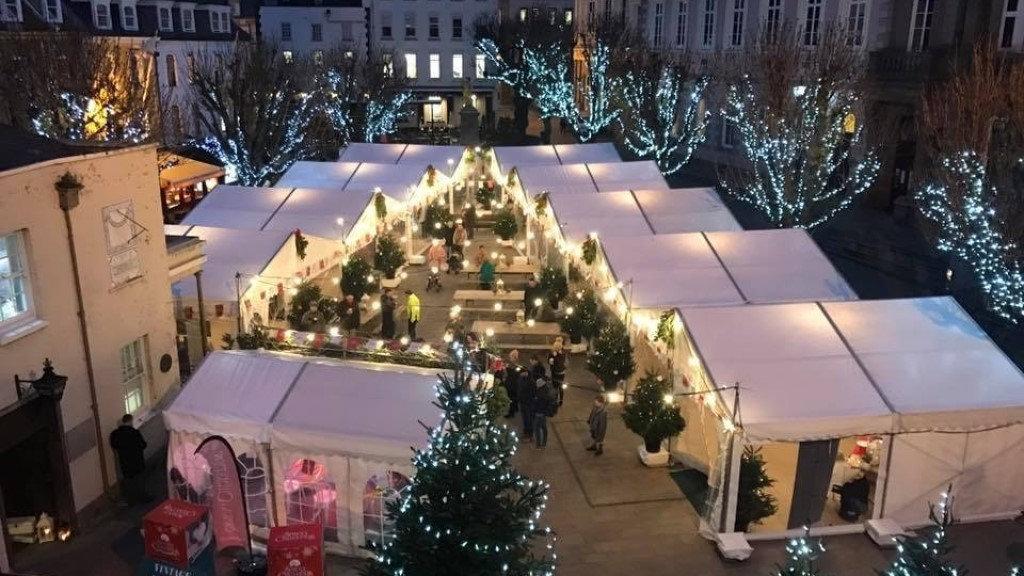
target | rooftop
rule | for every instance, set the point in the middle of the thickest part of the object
(19, 148)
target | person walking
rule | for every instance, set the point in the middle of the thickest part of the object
(543, 404)
(556, 359)
(486, 274)
(130, 447)
(387, 314)
(511, 382)
(525, 391)
(412, 308)
(598, 422)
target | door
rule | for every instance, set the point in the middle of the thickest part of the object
(813, 476)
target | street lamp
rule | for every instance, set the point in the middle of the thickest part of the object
(49, 385)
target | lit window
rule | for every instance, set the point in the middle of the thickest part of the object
(188, 24)
(855, 20)
(10, 10)
(659, 18)
(286, 31)
(481, 66)
(435, 66)
(128, 17)
(410, 66)
(812, 22)
(457, 27)
(166, 24)
(311, 496)
(316, 33)
(101, 14)
(133, 375)
(388, 66)
(456, 66)
(53, 11)
(522, 14)
(738, 15)
(381, 490)
(921, 26)
(287, 54)
(681, 24)
(708, 37)
(15, 291)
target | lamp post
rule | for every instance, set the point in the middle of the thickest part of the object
(50, 385)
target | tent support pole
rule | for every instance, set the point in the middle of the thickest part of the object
(273, 485)
(885, 483)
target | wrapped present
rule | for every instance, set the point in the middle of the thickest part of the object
(176, 532)
(296, 550)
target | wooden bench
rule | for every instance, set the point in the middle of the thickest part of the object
(518, 335)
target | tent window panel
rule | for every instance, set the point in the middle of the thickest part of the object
(254, 483)
(311, 496)
(379, 491)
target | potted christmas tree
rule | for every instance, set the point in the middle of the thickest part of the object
(357, 278)
(652, 414)
(582, 319)
(753, 502)
(389, 259)
(612, 360)
(437, 221)
(505, 227)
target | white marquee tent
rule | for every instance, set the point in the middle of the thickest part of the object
(556, 179)
(639, 175)
(509, 157)
(587, 153)
(420, 156)
(610, 214)
(326, 175)
(316, 211)
(324, 440)
(373, 153)
(685, 210)
(242, 207)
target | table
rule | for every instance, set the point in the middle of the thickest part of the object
(536, 337)
(513, 268)
(487, 295)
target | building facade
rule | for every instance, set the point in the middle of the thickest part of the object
(84, 282)
(310, 27)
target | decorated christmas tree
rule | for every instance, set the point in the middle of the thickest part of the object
(802, 557)
(927, 553)
(753, 501)
(612, 360)
(467, 511)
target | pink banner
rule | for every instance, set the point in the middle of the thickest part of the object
(227, 506)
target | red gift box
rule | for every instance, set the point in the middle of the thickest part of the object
(176, 532)
(296, 550)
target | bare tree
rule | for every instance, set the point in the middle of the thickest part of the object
(70, 86)
(792, 108)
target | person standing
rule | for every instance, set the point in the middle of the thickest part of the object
(469, 219)
(387, 314)
(543, 399)
(480, 255)
(598, 422)
(130, 447)
(530, 293)
(350, 313)
(511, 382)
(459, 236)
(412, 308)
(525, 391)
(437, 255)
(486, 274)
(556, 359)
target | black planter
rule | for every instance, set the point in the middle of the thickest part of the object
(575, 338)
(653, 446)
(251, 565)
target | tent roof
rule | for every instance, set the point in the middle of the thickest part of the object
(917, 364)
(519, 156)
(422, 155)
(556, 179)
(376, 153)
(362, 409)
(229, 251)
(242, 207)
(611, 214)
(392, 181)
(613, 176)
(583, 153)
(685, 210)
(316, 211)
(310, 174)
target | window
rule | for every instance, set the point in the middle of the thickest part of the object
(738, 14)
(288, 57)
(53, 11)
(921, 24)
(855, 19)
(219, 23)
(522, 14)
(773, 20)
(225, 22)
(1009, 30)
(812, 22)
(379, 491)
(122, 232)
(435, 66)
(133, 375)
(681, 24)
(410, 66)
(730, 137)
(346, 31)
(10, 10)
(311, 496)
(172, 73)
(590, 13)
(410, 25)
(708, 36)
(188, 24)
(456, 27)
(166, 24)
(101, 15)
(15, 292)
(286, 31)
(316, 32)
(659, 17)
(388, 65)
(385, 25)
(568, 16)
(433, 27)
(128, 16)
(481, 66)
(456, 66)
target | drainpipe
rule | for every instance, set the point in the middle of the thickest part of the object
(68, 188)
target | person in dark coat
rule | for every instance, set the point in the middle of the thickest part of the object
(350, 313)
(469, 220)
(524, 395)
(130, 447)
(510, 379)
(387, 314)
(556, 359)
(530, 293)
(598, 422)
(544, 402)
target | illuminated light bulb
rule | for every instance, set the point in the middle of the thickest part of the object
(375, 305)
(531, 322)
(668, 398)
(466, 243)
(693, 361)
(403, 275)
(437, 225)
(450, 161)
(592, 235)
(476, 149)
(609, 294)
(456, 308)
(569, 310)
(344, 261)
(613, 397)
(467, 205)
(565, 386)
(415, 227)
(448, 337)
(497, 306)
(728, 425)
(334, 331)
(253, 280)
(530, 236)
(494, 255)
(434, 270)
(404, 340)
(296, 281)
(310, 336)
(521, 245)
(579, 295)
(489, 332)
(335, 281)
(465, 263)
(376, 190)
(537, 302)
(426, 349)
(340, 221)
(293, 291)
(370, 278)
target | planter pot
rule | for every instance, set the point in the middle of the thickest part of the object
(655, 460)
(506, 243)
(577, 348)
(652, 446)
(392, 283)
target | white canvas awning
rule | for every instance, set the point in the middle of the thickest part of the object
(395, 181)
(614, 176)
(420, 156)
(611, 214)
(242, 207)
(685, 210)
(519, 156)
(584, 153)
(556, 179)
(316, 211)
(327, 175)
(374, 153)
(228, 251)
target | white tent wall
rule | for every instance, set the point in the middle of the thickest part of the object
(985, 469)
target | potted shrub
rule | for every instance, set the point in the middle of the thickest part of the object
(505, 227)
(650, 417)
(555, 285)
(355, 278)
(753, 502)
(582, 319)
(612, 360)
(389, 259)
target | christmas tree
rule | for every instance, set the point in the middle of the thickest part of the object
(753, 501)
(802, 557)
(926, 554)
(612, 360)
(468, 511)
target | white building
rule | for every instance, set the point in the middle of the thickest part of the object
(304, 27)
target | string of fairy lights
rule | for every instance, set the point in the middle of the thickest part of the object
(658, 135)
(597, 95)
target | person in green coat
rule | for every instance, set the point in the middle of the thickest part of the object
(486, 274)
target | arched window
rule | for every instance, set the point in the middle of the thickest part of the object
(311, 496)
(254, 482)
(379, 490)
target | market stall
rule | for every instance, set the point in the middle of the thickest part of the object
(419, 156)
(685, 210)
(639, 175)
(607, 215)
(555, 179)
(325, 175)
(508, 157)
(317, 440)
(240, 207)
(586, 153)
(373, 153)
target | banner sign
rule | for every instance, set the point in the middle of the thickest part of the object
(296, 550)
(227, 505)
(202, 565)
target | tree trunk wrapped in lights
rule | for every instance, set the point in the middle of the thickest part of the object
(654, 126)
(382, 116)
(467, 511)
(597, 109)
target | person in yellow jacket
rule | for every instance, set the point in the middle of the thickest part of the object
(412, 307)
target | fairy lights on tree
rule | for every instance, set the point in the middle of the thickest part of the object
(382, 115)
(926, 554)
(597, 109)
(467, 511)
(542, 75)
(654, 126)
(968, 227)
(801, 557)
(336, 89)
